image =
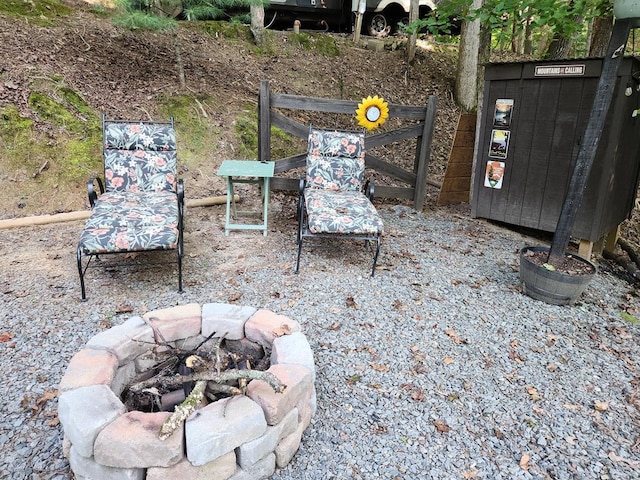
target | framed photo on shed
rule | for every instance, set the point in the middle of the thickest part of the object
(502, 112)
(499, 145)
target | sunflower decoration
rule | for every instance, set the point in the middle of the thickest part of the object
(372, 112)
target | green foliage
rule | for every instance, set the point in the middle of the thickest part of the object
(220, 9)
(629, 318)
(508, 19)
(138, 20)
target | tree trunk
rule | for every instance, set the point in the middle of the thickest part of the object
(257, 24)
(466, 87)
(601, 32)
(528, 37)
(179, 63)
(413, 15)
(560, 47)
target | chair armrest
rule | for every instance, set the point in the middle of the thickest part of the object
(369, 190)
(180, 191)
(301, 186)
(93, 196)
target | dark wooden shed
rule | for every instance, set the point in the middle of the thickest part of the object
(534, 116)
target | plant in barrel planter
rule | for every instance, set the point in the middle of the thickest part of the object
(552, 274)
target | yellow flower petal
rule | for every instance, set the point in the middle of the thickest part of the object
(372, 112)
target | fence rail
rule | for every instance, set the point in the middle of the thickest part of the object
(268, 116)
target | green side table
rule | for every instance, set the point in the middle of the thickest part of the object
(246, 171)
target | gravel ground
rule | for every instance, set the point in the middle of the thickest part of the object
(437, 368)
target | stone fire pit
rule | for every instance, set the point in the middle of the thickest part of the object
(237, 438)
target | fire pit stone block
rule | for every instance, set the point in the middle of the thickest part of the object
(276, 405)
(125, 341)
(177, 322)
(225, 319)
(85, 411)
(237, 420)
(84, 467)
(250, 453)
(293, 349)
(221, 468)
(131, 441)
(89, 367)
(265, 326)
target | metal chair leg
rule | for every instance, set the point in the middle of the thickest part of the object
(81, 272)
(375, 258)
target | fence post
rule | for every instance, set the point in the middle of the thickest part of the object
(264, 122)
(425, 152)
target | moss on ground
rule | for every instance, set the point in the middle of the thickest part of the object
(38, 11)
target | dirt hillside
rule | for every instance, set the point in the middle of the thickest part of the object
(132, 74)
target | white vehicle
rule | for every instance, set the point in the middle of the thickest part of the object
(381, 16)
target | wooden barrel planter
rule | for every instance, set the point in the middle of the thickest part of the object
(555, 287)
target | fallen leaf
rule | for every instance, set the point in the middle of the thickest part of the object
(124, 308)
(54, 422)
(5, 337)
(470, 474)
(533, 393)
(525, 461)
(235, 297)
(398, 305)
(380, 368)
(499, 435)
(282, 330)
(538, 410)
(600, 406)
(335, 326)
(417, 395)
(351, 303)
(552, 367)
(441, 426)
(453, 335)
(448, 360)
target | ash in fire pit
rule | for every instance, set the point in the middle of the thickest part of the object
(189, 391)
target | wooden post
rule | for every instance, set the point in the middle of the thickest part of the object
(425, 152)
(362, 5)
(588, 147)
(413, 38)
(264, 123)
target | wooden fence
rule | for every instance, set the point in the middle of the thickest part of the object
(422, 131)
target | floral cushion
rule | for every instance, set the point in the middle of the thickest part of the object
(144, 221)
(139, 157)
(335, 160)
(341, 212)
(139, 136)
(139, 170)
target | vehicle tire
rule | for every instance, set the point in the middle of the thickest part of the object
(378, 25)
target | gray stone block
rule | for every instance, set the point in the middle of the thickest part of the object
(225, 319)
(84, 467)
(84, 412)
(221, 427)
(293, 349)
